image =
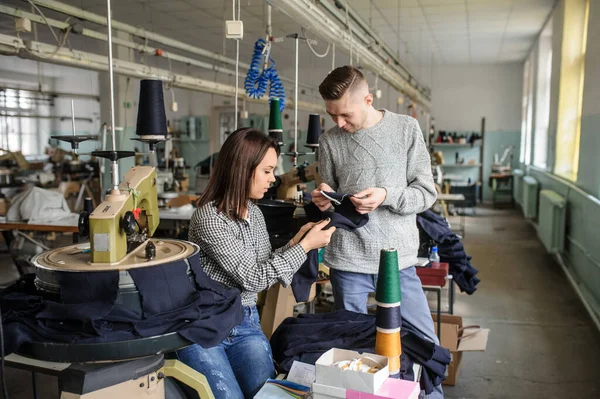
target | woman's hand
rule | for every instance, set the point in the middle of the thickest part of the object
(317, 237)
(300, 234)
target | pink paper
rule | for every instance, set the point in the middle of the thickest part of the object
(391, 389)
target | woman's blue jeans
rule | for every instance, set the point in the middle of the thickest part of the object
(237, 367)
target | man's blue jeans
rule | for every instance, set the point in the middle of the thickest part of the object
(237, 367)
(351, 290)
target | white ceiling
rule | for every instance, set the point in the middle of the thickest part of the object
(457, 31)
(422, 32)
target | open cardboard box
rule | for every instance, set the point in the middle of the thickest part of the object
(457, 340)
(333, 376)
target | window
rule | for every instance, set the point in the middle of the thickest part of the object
(21, 129)
(542, 109)
(527, 112)
(571, 88)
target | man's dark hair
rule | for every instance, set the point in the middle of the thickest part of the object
(339, 81)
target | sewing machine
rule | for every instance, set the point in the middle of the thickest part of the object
(286, 184)
(120, 231)
(131, 209)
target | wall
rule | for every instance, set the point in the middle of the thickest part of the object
(581, 254)
(589, 161)
(462, 95)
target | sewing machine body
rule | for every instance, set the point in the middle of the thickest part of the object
(137, 190)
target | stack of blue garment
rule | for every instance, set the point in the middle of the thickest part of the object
(433, 227)
(87, 311)
(306, 337)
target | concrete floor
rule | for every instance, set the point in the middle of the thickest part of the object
(542, 342)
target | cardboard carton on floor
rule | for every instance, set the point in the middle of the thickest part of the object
(333, 376)
(459, 340)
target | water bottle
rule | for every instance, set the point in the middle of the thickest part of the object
(434, 257)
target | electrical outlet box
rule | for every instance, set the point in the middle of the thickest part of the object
(23, 25)
(234, 29)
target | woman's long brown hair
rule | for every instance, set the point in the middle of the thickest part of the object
(231, 178)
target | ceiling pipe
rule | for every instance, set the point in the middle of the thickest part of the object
(15, 12)
(144, 34)
(307, 14)
(376, 43)
(11, 45)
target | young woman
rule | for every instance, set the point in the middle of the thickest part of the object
(235, 251)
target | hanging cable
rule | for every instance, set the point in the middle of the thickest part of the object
(237, 68)
(311, 47)
(349, 29)
(333, 58)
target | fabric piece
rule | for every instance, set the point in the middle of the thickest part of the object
(163, 287)
(344, 218)
(238, 254)
(88, 287)
(306, 337)
(344, 206)
(391, 154)
(434, 228)
(40, 206)
(205, 315)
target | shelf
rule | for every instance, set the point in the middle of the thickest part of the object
(454, 145)
(451, 165)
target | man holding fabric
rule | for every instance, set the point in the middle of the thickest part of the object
(381, 160)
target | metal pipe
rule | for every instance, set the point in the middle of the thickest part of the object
(142, 33)
(73, 116)
(296, 106)
(115, 168)
(64, 117)
(51, 93)
(36, 50)
(366, 30)
(307, 14)
(142, 48)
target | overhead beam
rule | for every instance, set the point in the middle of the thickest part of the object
(11, 45)
(146, 35)
(309, 15)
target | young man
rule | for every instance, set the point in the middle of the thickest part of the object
(379, 158)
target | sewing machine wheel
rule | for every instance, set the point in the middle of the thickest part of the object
(74, 258)
(71, 260)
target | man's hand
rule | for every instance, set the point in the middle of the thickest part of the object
(368, 200)
(319, 199)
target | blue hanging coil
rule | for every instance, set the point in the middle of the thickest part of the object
(256, 81)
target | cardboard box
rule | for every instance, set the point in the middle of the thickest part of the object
(277, 305)
(457, 340)
(391, 389)
(326, 374)
(4, 205)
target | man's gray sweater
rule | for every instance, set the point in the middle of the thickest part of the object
(392, 155)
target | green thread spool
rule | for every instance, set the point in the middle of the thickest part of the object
(388, 281)
(275, 126)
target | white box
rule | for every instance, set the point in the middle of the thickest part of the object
(354, 380)
(23, 25)
(234, 29)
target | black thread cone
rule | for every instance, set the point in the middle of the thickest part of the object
(151, 120)
(314, 130)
